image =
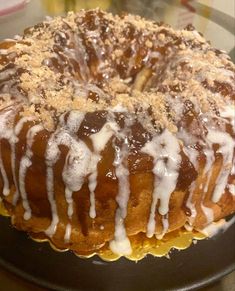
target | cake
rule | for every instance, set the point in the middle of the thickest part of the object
(114, 128)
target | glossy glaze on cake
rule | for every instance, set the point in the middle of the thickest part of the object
(112, 126)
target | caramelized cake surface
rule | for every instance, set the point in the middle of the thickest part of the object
(113, 128)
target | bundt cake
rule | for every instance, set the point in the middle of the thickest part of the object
(114, 128)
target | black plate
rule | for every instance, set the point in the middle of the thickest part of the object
(197, 266)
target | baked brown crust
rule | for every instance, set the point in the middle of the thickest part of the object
(97, 113)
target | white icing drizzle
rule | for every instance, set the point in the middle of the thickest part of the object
(226, 149)
(6, 132)
(13, 158)
(190, 205)
(118, 108)
(165, 150)
(68, 231)
(188, 139)
(99, 140)
(50, 231)
(6, 189)
(51, 158)
(208, 212)
(25, 163)
(74, 172)
(165, 226)
(80, 162)
(229, 112)
(69, 199)
(77, 164)
(121, 244)
(220, 226)
(79, 53)
(227, 144)
(74, 120)
(210, 158)
(16, 131)
(231, 188)
(92, 183)
(233, 167)
(192, 155)
(75, 169)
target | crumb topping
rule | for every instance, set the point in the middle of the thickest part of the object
(94, 61)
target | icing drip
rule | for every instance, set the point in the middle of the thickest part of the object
(25, 163)
(77, 164)
(50, 231)
(165, 226)
(5, 132)
(13, 158)
(74, 121)
(121, 244)
(227, 144)
(79, 53)
(231, 188)
(192, 154)
(229, 112)
(51, 158)
(92, 183)
(165, 151)
(210, 158)
(208, 213)
(233, 167)
(75, 170)
(190, 205)
(99, 140)
(220, 226)
(16, 131)
(69, 199)
(6, 189)
(208, 172)
(68, 231)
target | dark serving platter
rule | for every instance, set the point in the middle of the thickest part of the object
(190, 269)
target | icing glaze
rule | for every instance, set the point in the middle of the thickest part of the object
(227, 144)
(220, 226)
(25, 163)
(6, 189)
(121, 244)
(165, 151)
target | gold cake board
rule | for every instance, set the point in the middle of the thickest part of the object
(141, 245)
